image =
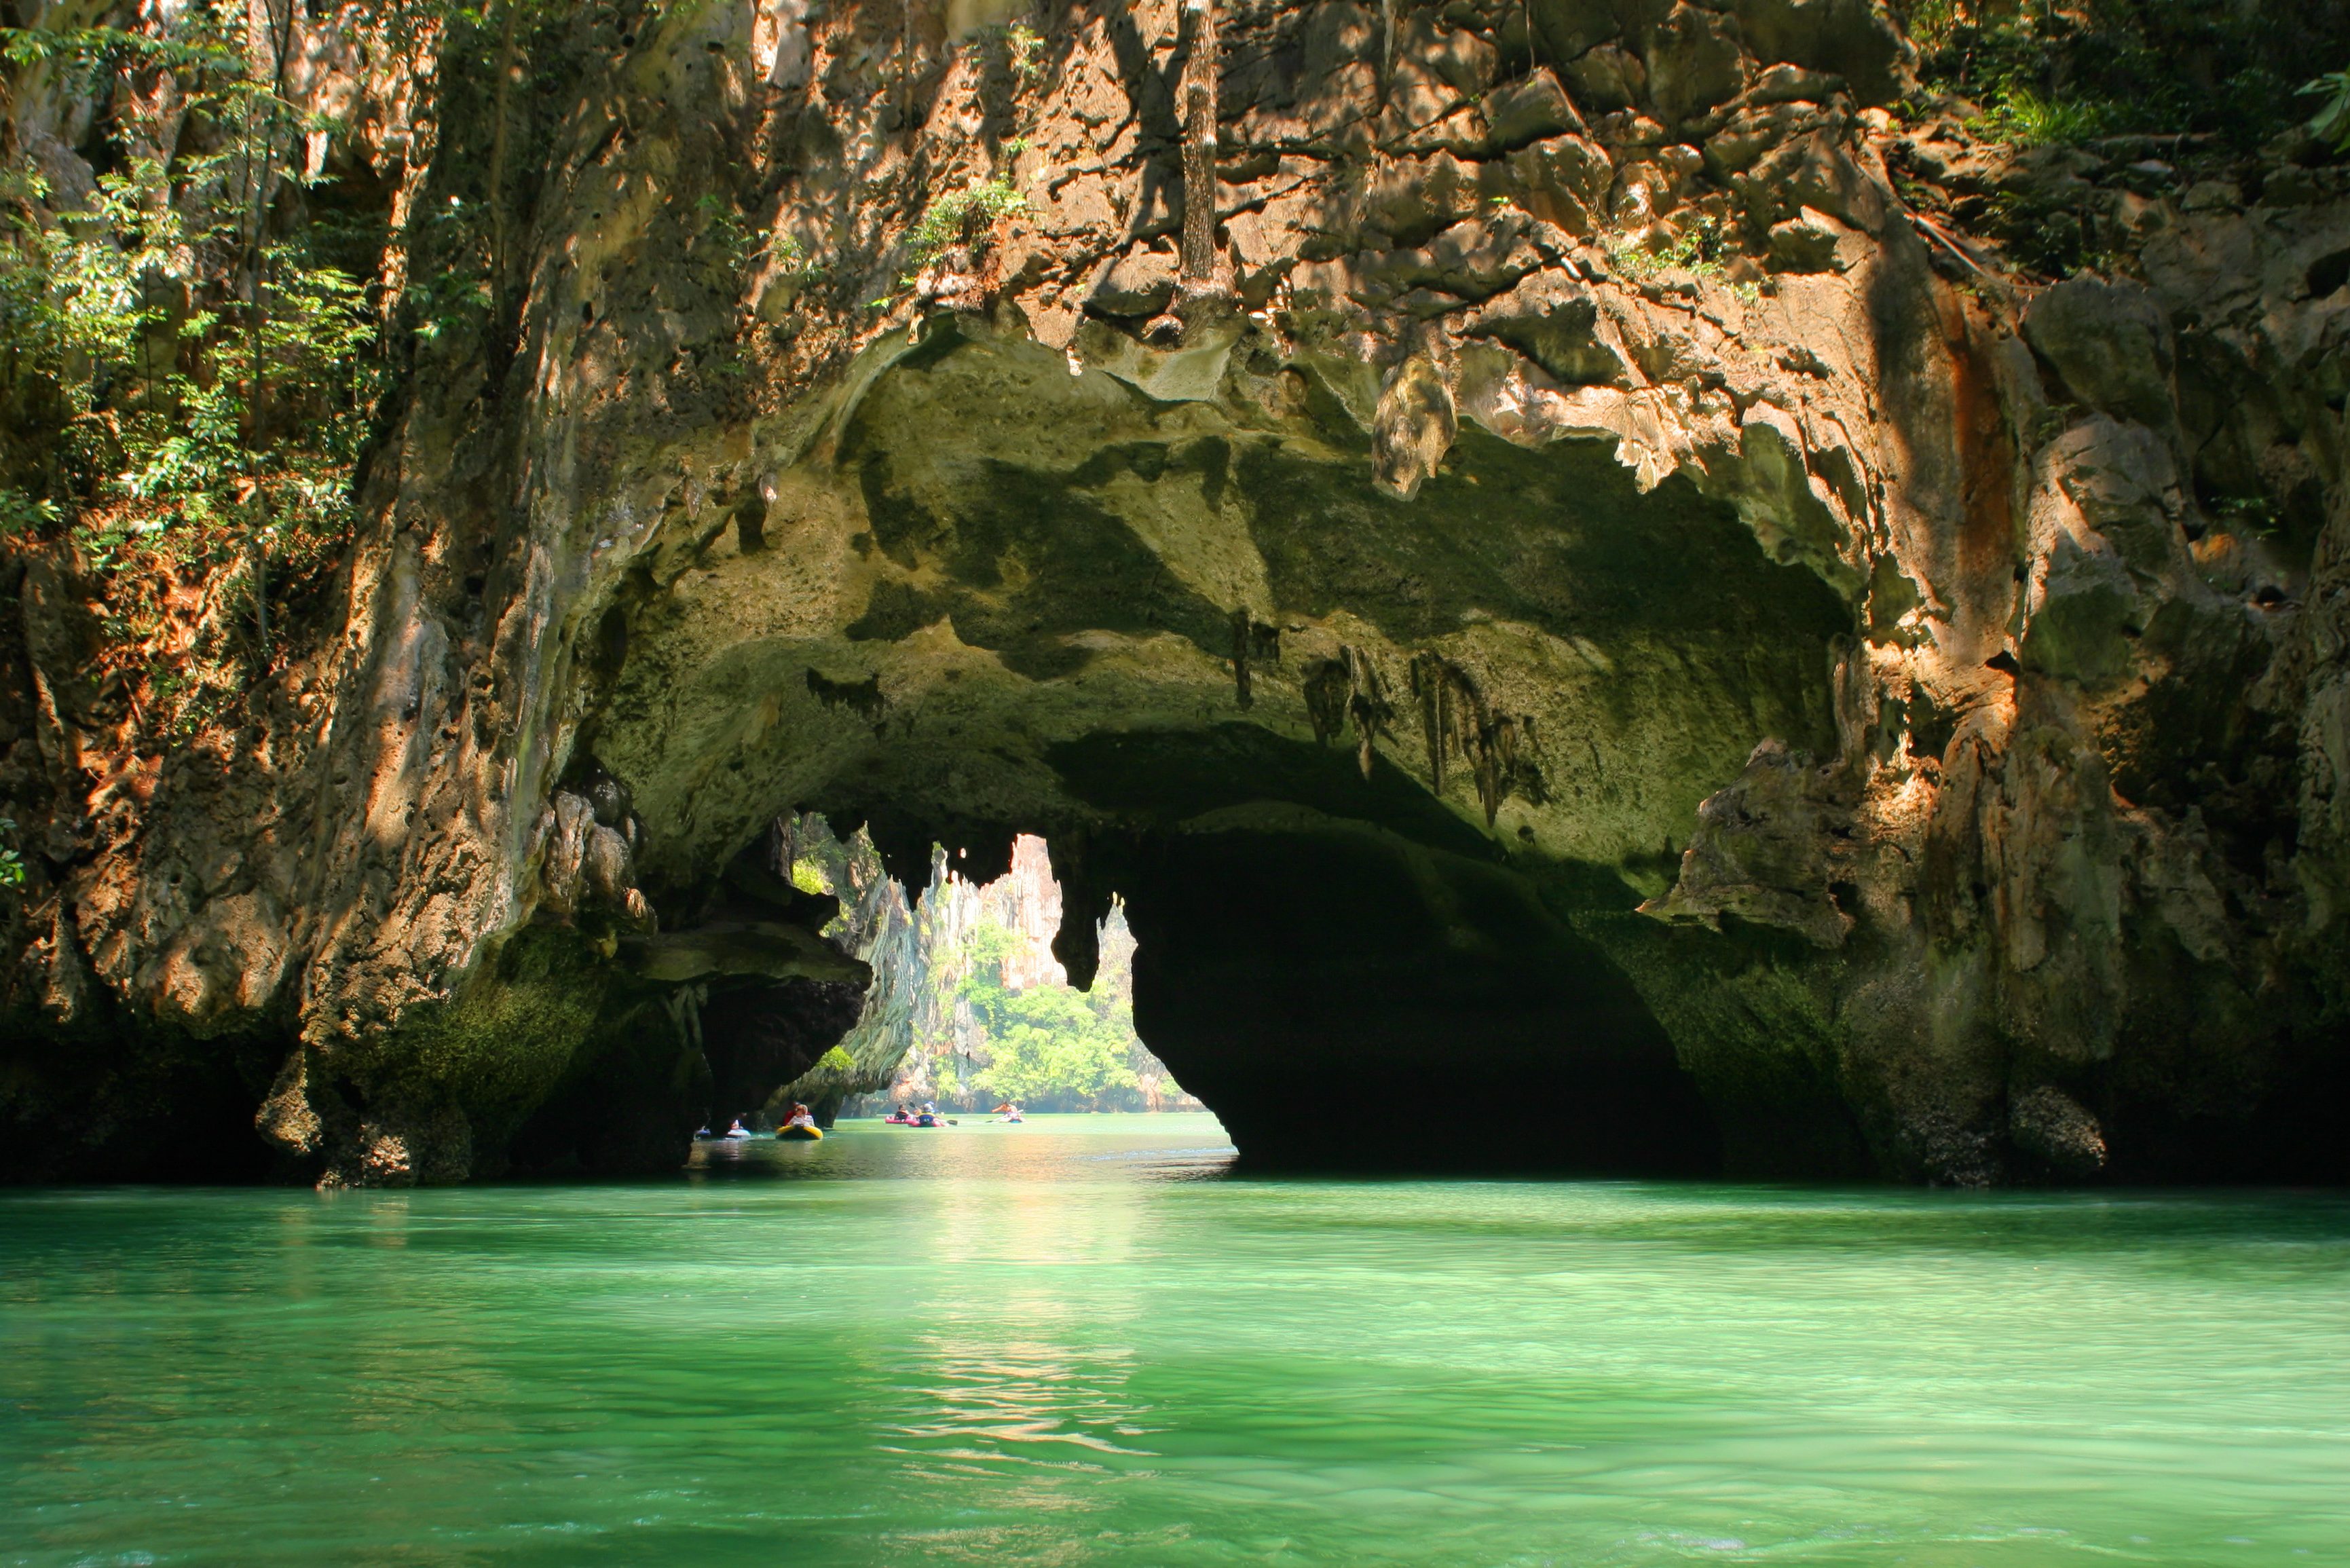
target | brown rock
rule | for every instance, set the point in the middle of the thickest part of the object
(2054, 1132)
(2110, 345)
(1529, 110)
(1695, 61)
(1808, 242)
(1564, 181)
(1854, 39)
(1411, 199)
(1137, 284)
(1414, 426)
(1759, 851)
(1607, 80)
(1553, 320)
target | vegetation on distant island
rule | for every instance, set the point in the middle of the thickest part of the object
(1048, 1042)
(1036, 1041)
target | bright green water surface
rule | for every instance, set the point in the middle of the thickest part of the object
(1076, 1342)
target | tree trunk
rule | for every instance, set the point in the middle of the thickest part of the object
(509, 59)
(269, 42)
(1199, 71)
(257, 561)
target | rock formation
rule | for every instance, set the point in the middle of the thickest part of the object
(1621, 604)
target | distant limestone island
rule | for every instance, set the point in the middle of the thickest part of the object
(968, 1008)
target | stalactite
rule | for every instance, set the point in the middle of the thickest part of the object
(1489, 772)
(1430, 687)
(1455, 716)
(1084, 904)
(685, 1005)
(1240, 656)
(1327, 687)
(783, 842)
(1253, 643)
(1366, 703)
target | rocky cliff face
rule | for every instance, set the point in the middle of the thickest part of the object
(1598, 592)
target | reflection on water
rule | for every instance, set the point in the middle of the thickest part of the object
(1074, 1342)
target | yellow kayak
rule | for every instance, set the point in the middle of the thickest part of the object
(800, 1135)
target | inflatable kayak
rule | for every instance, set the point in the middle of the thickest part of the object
(799, 1135)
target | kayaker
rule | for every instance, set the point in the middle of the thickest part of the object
(799, 1116)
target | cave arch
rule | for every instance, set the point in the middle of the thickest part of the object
(1374, 776)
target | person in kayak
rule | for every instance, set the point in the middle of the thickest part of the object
(799, 1116)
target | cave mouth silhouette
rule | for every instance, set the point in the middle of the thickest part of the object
(1369, 774)
(1335, 989)
(1348, 1000)
(967, 1006)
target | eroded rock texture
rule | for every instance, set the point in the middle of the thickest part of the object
(1800, 717)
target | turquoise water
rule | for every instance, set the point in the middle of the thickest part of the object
(1075, 1343)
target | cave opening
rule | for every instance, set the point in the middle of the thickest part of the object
(1377, 785)
(968, 1008)
(1340, 995)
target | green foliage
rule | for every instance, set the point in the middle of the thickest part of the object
(2051, 236)
(168, 359)
(12, 865)
(1932, 22)
(724, 236)
(791, 258)
(95, 51)
(1026, 50)
(1685, 252)
(1697, 250)
(22, 514)
(2050, 73)
(962, 218)
(1050, 1043)
(2022, 118)
(185, 700)
(1046, 1041)
(837, 1060)
(2330, 124)
(1023, 53)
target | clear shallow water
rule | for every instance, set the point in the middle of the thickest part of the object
(1072, 1343)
